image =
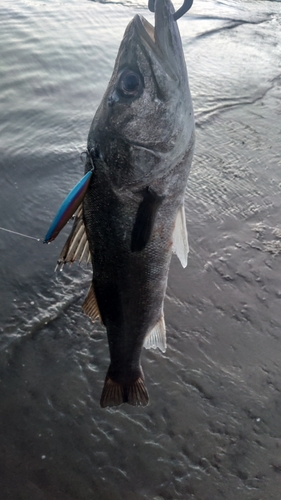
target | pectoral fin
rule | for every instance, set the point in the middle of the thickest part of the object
(145, 218)
(180, 239)
(76, 246)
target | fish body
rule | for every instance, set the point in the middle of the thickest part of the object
(140, 144)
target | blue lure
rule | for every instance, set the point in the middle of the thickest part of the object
(68, 207)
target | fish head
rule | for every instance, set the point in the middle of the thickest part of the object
(146, 111)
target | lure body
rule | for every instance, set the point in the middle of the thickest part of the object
(68, 207)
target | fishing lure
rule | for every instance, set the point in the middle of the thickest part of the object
(68, 207)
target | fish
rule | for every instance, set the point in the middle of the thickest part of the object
(132, 217)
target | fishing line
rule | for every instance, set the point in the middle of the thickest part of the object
(20, 234)
(69, 206)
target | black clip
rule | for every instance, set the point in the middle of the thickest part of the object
(179, 13)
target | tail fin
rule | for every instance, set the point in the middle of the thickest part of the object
(115, 394)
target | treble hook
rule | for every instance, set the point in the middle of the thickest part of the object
(179, 13)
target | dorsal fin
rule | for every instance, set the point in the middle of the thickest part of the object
(180, 239)
(90, 305)
(76, 246)
(145, 218)
(157, 336)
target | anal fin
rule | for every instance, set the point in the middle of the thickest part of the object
(180, 238)
(90, 305)
(115, 393)
(157, 336)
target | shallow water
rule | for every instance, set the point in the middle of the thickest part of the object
(212, 430)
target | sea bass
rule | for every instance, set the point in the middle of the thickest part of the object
(140, 148)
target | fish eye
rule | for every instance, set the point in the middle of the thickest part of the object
(129, 84)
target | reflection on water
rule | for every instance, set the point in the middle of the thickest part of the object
(212, 430)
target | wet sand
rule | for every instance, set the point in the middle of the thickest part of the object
(212, 430)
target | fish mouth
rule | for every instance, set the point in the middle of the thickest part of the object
(145, 29)
(163, 39)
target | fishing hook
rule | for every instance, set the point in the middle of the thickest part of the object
(179, 13)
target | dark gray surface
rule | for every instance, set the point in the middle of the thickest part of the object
(212, 430)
